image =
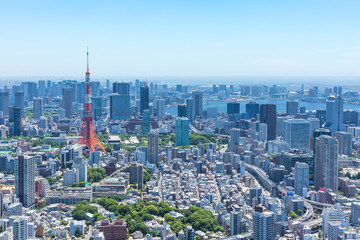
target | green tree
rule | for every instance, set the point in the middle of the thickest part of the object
(293, 215)
(320, 234)
(147, 175)
(169, 218)
(98, 217)
(153, 233)
(147, 217)
(96, 174)
(140, 226)
(79, 215)
(177, 226)
(153, 210)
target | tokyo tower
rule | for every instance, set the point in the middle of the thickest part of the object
(88, 136)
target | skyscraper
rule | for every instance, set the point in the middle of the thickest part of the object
(263, 224)
(15, 121)
(235, 219)
(179, 88)
(38, 108)
(198, 103)
(108, 84)
(234, 139)
(268, 116)
(321, 115)
(121, 88)
(144, 99)
(42, 88)
(153, 148)
(301, 178)
(297, 134)
(137, 89)
(245, 90)
(99, 106)
(190, 109)
(4, 102)
(32, 90)
(136, 174)
(20, 102)
(67, 101)
(95, 88)
(119, 106)
(25, 180)
(317, 133)
(146, 121)
(182, 131)
(262, 132)
(334, 113)
(326, 163)
(20, 228)
(345, 143)
(292, 107)
(182, 110)
(252, 108)
(233, 108)
(160, 108)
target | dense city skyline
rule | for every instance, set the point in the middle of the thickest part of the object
(205, 120)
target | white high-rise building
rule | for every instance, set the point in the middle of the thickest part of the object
(263, 224)
(335, 214)
(153, 148)
(82, 169)
(235, 220)
(314, 124)
(70, 177)
(95, 158)
(297, 134)
(20, 228)
(25, 180)
(234, 138)
(198, 102)
(301, 178)
(160, 105)
(334, 113)
(263, 132)
(190, 109)
(326, 163)
(38, 108)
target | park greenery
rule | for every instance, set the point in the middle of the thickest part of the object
(202, 138)
(164, 140)
(80, 184)
(53, 180)
(147, 175)
(96, 174)
(135, 215)
(293, 215)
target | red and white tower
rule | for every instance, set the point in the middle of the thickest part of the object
(88, 135)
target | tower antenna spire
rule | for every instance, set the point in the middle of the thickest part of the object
(87, 53)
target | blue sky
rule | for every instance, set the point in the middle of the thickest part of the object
(180, 38)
